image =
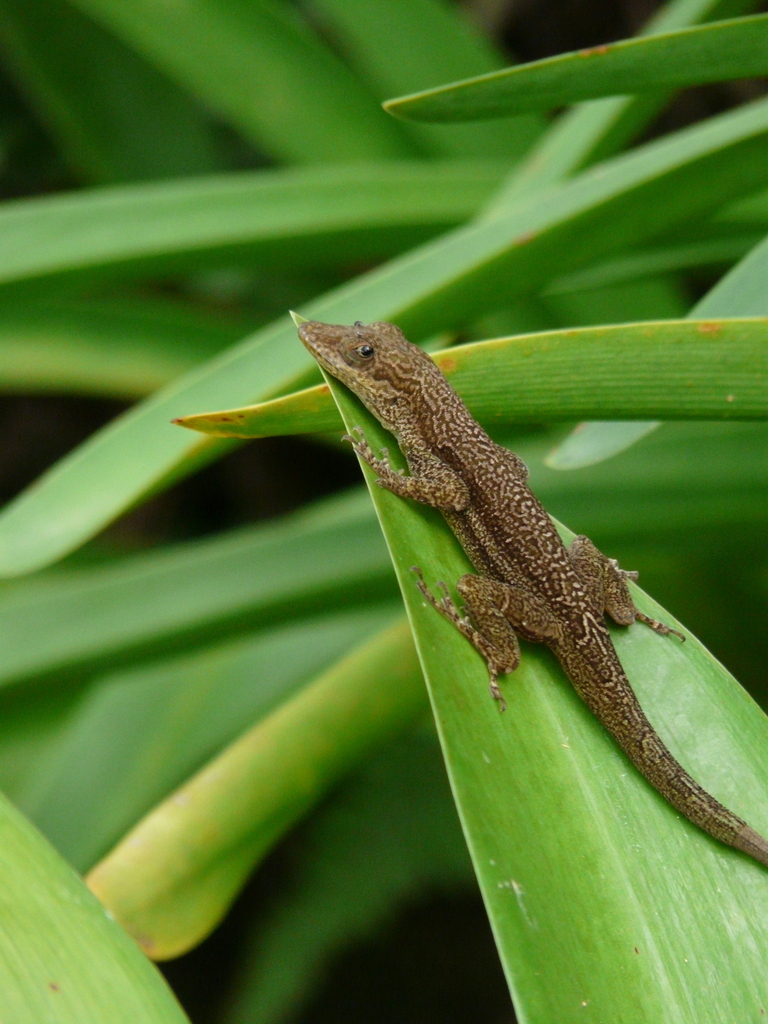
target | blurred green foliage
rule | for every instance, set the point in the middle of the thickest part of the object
(173, 177)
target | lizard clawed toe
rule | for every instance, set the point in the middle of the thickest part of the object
(496, 693)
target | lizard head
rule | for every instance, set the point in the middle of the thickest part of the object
(375, 361)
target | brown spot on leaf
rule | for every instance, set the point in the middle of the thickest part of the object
(729, 398)
(593, 51)
(525, 238)
(53, 986)
(709, 327)
(446, 363)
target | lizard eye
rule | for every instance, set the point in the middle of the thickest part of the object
(366, 351)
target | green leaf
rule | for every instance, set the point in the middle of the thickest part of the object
(442, 47)
(61, 957)
(605, 903)
(596, 129)
(390, 836)
(120, 349)
(301, 216)
(659, 297)
(651, 261)
(328, 556)
(713, 369)
(716, 52)
(259, 66)
(742, 288)
(684, 476)
(443, 284)
(172, 878)
(115, 117)
(740, 293)
(140, 733)
(590, 443)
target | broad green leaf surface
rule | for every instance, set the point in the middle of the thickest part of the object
(390, 836)
(140, 733)
(713, 369)
(741, 292)
(596, 129)
(300, 215)
(443, 46)
(118, 349)
(239, 56)
(605, 903)
(62, 958)
(171, 879)
(715, 52)
(327, 556)
(470, 271)
(93, 93)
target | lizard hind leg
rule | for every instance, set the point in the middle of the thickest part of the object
(604, 577)
(488, 631)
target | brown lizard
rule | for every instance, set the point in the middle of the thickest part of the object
(527, 583)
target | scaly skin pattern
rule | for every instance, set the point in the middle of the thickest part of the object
(527, 583)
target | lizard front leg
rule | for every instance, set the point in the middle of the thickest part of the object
(431, 482)
(609, 585)
(497, 611)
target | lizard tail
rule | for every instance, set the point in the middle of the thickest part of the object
(612, 700)
(752, 843)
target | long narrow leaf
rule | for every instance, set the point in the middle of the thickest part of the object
(140, 733)
(171, 879)
(596, 129)
(604, 902)
(239, 58)
(187, 595)
(442, 47)
(713, 369)
(120, 349)
(741, 293)
(61, 957)
(115, 116)
(715, 52)
(302, 215)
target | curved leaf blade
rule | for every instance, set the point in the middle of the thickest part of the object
(94, 95)
(119, 349)
(327, 556)
(715, 52)
(596, 129)
(61, 957)
(172, 878)
(443, 46)
(139, 733)
(741, 292)
(713, 369)
(605, 903)
(238, 58)
(305, 215)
